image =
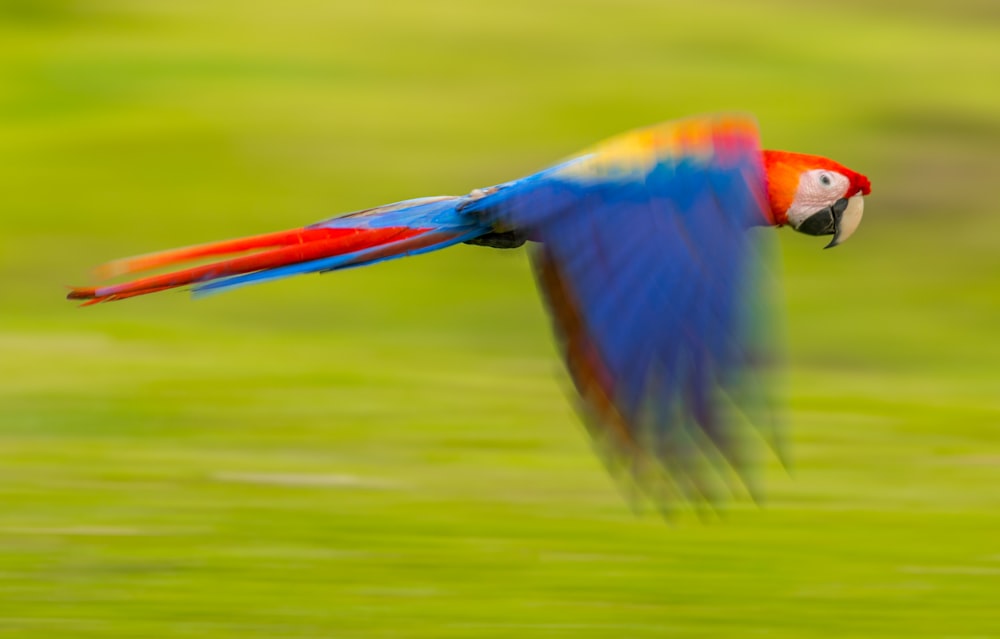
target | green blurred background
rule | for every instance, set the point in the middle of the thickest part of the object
(389, 452)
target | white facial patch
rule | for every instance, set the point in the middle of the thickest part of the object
(818, 189)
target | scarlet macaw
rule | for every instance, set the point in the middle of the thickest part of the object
(642, 251)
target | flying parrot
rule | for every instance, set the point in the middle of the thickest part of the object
(646, 254)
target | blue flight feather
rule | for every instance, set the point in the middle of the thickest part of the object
(647, 260)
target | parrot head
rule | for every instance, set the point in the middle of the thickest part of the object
(815, 195)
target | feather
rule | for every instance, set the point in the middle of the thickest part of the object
(648, 266)
(364, 237)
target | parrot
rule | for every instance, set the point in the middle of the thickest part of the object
(647, 253)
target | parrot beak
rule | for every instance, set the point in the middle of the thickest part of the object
(839, 220)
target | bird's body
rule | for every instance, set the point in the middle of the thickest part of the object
(643, 251)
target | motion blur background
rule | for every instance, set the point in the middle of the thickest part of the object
(389, 452)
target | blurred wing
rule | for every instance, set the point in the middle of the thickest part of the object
(653, 277)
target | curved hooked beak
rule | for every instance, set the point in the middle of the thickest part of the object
(839, 220)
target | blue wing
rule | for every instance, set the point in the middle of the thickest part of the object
(651, 270)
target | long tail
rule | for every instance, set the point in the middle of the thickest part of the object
(386, 232)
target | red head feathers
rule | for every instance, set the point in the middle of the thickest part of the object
(785, 171)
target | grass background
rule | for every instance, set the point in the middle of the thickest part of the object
(389, 452)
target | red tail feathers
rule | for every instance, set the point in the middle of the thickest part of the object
(273, 250)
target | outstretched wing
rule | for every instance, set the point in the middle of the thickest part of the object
(652, 273)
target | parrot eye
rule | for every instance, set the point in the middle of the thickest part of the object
(825, 179)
